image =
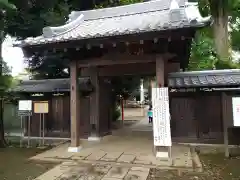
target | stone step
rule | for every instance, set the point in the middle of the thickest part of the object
(136, 133)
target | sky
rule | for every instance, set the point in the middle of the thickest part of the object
(13, 56)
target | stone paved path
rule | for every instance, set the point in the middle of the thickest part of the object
(88, 171)
(121, 150)
(126, 155)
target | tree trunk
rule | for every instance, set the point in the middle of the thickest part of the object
(2, 138)
(221, 36)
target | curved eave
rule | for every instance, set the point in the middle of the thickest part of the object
(24, 44)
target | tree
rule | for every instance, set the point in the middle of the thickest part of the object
(235, 27)
(203, 55)
(207, 47)
(222, 11)
(5, 6)
(34, 15)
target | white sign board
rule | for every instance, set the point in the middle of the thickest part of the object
(236, 111)
(161, 117)
(25, 105)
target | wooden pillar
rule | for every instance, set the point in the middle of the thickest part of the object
(94, 104)
(225, 124)
(170, 68)
(160, 76)
(74, 108)
(160, 71)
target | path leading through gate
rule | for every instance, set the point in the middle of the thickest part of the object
(129, 151)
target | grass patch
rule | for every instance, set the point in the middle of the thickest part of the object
(16, 166)
(216, 167)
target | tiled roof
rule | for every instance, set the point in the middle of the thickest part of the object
(213, 78)
(158, 15)
(51, 85)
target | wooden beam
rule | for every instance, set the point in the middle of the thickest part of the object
(116, 59)
(121, 59)
(128, 69)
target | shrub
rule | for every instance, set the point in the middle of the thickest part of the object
(116, 114)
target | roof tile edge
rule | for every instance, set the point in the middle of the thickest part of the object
(49, 32)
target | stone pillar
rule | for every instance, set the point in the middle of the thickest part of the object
(74, 108)
(160, 76)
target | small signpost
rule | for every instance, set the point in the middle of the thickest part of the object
(41, 108)
(161, 122)
(25, 110)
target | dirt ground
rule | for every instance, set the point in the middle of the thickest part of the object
(216, 167)
(14, 164)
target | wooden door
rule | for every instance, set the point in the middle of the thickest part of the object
(209, 116)
(183, 117)
(57, 114)
(84, 117)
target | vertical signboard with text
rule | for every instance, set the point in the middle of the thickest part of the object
(161, 117)
(236, 111)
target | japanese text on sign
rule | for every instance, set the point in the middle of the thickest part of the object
(161, 117)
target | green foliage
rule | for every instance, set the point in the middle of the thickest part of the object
(5, 77)
(116, 3)
(202, 53)
(32, 15)
(125, 85)
(6, 5)
(5, 82)
(226, 65)
(48, 66)
(235, 27)
(211, 7)
(11, 119)
(116, 113)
